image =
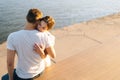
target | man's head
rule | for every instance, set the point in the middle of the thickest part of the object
(33, 15)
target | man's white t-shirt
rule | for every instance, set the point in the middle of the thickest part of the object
(29, 62)
(51, 38)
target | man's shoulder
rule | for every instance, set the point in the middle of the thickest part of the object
(49, 34)
(15, 33)
(46, 33)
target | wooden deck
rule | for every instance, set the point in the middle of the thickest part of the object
(101, 62)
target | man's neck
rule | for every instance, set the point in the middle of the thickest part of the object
(29, 26)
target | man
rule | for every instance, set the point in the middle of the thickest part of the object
(29, 63)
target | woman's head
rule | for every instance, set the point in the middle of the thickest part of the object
(46, 23)
(33, 15)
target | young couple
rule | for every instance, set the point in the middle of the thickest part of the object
(33, 46)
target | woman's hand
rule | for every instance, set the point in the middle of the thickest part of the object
(39, 49)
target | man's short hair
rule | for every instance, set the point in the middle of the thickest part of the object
(33, 15)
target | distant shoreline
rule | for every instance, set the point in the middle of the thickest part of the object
(78, 23)
(1, 42)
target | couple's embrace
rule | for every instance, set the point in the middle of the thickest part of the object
(33, 46)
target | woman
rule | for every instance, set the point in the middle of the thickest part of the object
(44, 25)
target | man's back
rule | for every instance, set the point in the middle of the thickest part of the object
(29, 63)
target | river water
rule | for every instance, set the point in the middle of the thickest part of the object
(65, 12)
